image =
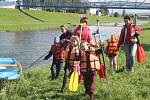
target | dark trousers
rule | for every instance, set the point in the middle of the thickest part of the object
(67, 73)
(55, 69)
(89, 78)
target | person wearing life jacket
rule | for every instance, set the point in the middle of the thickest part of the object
(112, 51)
(90, 64)
(86, 36)
(128, 38)
(58, 58)
(72, 60)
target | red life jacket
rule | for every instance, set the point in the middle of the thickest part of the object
(57, 52)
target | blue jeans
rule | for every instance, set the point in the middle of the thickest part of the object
(130, 53)
(55, 69)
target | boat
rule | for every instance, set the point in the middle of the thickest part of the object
(10, 69)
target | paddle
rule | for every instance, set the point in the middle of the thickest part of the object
(103, 66)
(9, 65)
(73, 83)
(102, 69)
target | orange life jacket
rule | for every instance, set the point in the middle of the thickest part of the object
(58, 53)
(112, 48)
(89, 60)
(72, 56)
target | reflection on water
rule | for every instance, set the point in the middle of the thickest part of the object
(27, 47)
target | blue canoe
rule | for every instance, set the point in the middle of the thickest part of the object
(10, 69)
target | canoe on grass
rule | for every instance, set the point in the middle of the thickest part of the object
(10, 69)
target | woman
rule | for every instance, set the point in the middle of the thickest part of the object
(86, 36)
(128, 38)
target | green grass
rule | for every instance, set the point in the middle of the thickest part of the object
(36, 84)
(15, 20)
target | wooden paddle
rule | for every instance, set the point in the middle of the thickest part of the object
(16, 66)
(8, 65)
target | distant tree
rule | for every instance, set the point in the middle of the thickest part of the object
(124, 12)
(116, 14)
(104, 11)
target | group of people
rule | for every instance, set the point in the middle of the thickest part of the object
(76, 49)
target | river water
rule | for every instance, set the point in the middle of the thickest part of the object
(27, 47)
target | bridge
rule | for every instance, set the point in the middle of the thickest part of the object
(108, 4)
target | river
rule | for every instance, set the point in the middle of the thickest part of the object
(27, 47)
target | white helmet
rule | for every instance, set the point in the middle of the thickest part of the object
(56, 39)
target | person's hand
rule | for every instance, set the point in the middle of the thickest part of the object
(136, 34)
(64, 43)
(45, 58)
(99, 51)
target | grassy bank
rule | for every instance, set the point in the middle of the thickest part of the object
(36, 84)
(26, 20)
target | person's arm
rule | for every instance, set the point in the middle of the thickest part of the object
(138, 31)
(49, 55)
(77, 31)
(121, 39)
(89, 39)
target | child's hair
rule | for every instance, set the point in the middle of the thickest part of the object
(64, 26)
(76, 38)
(127, 17)
(114, 37)
(84, 19)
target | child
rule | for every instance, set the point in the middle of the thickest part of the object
(72, 59)
(89, 65)
(58, 58)
(111, 51)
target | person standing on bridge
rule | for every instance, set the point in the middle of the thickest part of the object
(128, 38)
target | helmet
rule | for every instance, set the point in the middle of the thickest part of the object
(56, 39)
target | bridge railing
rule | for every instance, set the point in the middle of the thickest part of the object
(115, 5)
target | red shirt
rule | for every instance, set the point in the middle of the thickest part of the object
(85, 34)
(129, 30)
